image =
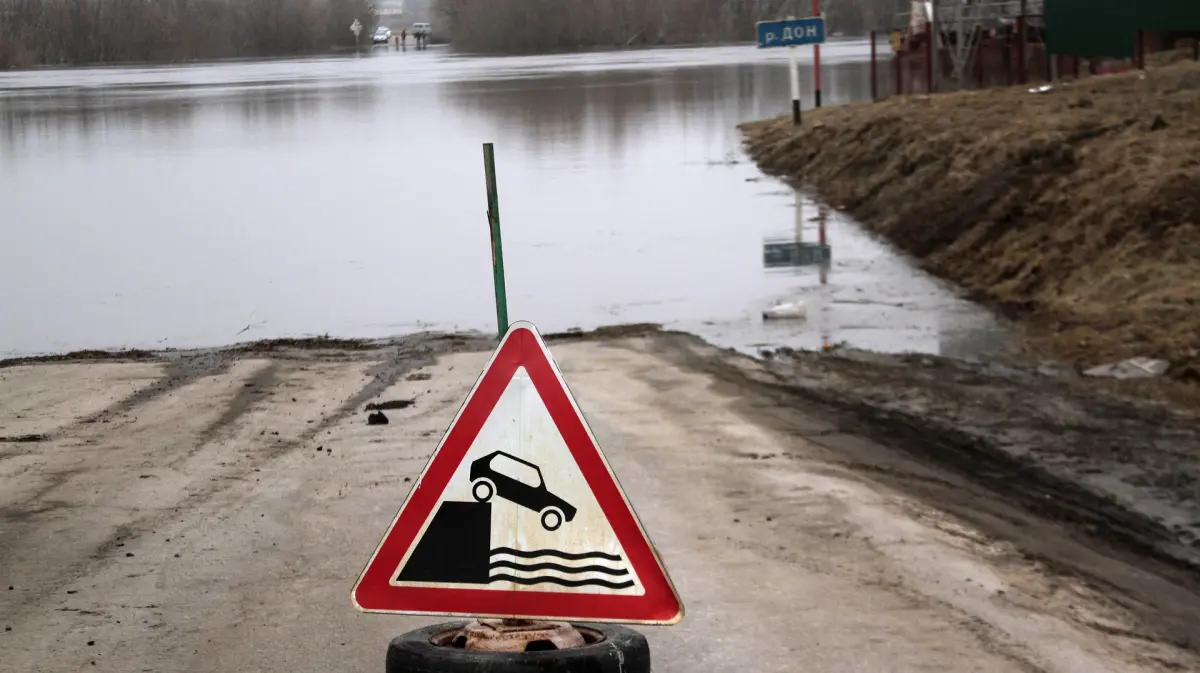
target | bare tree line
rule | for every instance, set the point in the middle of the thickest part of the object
(49, 32)
(549, 25)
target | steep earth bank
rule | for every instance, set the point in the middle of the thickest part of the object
(1074, 210)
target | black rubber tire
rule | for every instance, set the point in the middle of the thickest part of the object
(623, 650)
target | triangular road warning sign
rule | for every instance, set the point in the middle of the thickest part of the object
(518, 514)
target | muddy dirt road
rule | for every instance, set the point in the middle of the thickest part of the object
(210, 512)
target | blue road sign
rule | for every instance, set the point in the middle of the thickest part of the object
(791, 32)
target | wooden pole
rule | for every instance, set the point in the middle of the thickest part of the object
(1022, 76)
(929, 50)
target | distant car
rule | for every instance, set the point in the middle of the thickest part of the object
(382, 35)
(421, 29)
(518, 481)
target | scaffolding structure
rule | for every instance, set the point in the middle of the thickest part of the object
(961, 25)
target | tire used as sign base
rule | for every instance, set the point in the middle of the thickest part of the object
(609, 649)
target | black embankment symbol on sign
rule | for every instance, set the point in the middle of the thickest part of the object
(455, 546)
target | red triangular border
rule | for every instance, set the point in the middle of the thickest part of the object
(521, 346)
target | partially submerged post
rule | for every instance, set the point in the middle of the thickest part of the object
(493, 214)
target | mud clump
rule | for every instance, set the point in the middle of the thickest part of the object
(607, 332)
(73, 356)
(390, 405)
(1074, 211)
(307, 343)
(1039, 431)
(25, 438)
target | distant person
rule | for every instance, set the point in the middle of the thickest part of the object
(403, 35)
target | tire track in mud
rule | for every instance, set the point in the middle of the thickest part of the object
(1072, 529)
(246, 398)
(177, 373)
(396, 359)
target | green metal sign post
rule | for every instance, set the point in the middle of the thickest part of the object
(489, 168)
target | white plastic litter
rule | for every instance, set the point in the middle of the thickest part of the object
(1133, 368)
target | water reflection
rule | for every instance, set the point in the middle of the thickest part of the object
(276, 109)
(51, 120)
(46, 123)
(863, 296)
(564, 113)
(356, 101)
(182, 203)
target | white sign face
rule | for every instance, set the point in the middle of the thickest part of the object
(518, 514)
(546, 531)
(356, 27)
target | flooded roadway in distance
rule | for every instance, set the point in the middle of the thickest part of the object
(199, 205)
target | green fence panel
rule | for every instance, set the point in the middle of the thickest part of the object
(1099, 28)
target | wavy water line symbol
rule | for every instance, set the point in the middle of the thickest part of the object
(539, 562)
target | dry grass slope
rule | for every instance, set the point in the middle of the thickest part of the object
(1076, 211)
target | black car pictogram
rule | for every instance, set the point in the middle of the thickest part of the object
(518, 481)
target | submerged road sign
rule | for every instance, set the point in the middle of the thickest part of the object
(791, 32)
(518, 514)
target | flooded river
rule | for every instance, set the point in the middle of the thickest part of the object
(204, 204)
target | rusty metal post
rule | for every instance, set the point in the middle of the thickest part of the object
(1196, 49)
(898, 59)
(979, 63)
(1022, 76)
(874, 71)
(823, 270)
(929, 52)
(1140, 50)
(1008, 70)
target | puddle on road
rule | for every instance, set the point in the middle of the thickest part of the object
(852, 288)
(199, 205)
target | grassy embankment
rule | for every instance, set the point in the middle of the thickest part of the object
(1074, 211)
